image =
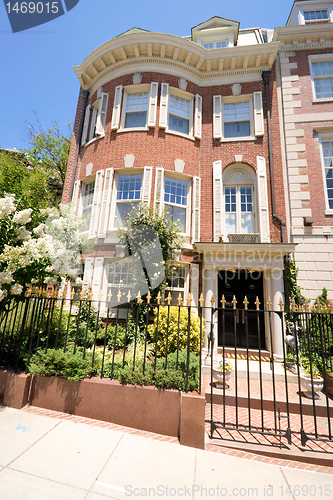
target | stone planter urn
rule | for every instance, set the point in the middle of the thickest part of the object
(307, 384)
(221, 378)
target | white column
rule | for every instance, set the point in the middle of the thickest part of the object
(209, 281)
(277, 296)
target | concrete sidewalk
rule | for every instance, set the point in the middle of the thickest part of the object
(44, 458)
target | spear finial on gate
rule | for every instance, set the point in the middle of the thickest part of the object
(293, 305)
(189, 299)
(257, 303)
(331, 307)
(169, 298)
(64, 294)
(269, 304)
(109, 295)
(212, 300)
(119, 295)
(179, 299)
(245, 302)
(201, 300)
(281, 304)
(148, 297)
(138, 298)
(72, 293)
(91, 294)
(82, 293)
(234, 302)
(319, 307)
(158, 298)
(223, 301)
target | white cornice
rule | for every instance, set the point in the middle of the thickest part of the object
(302, 37)
(161, 52)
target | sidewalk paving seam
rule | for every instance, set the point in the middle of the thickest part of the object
(35, 442)
(289, 486)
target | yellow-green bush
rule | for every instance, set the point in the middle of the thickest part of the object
(178, 321)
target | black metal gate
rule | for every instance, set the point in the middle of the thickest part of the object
(253, 392)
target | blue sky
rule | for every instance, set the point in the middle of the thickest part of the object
(37, 64)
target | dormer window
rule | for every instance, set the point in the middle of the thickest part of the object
(215, 45)
(316, 16)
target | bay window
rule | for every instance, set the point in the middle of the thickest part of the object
(128, 195)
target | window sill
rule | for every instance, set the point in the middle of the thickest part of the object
(93, 140)
(238, 139)
(133, 129)
(323, 99)
(329, 211)
(173, 132)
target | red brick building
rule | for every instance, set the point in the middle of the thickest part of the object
(305, 95)
(190, 125)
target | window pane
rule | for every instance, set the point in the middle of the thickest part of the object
(129, 187)
(315, 15)
(124, 209)
(230, 224)
(247, 223)
(236, 111)
(240, 129)
(137, 101)
(88, 194)
(134, 120)
(179, 106)
(177, 214)
(178, 124)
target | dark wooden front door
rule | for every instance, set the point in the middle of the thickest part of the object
(237, 328)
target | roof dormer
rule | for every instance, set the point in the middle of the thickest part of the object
(306, 12)
(216, 33)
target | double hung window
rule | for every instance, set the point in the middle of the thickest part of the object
(238, 209)
(322, 77)
(238, 117)
(327, 158)
(179, 114)
(95, 118)
(136, 110)
(176, 285)
(87, 203)
(175, 200)
(128, 195)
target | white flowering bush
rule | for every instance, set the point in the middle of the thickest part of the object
(35, 252)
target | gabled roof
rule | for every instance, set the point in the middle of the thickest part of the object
(133, 30)
(215, 23)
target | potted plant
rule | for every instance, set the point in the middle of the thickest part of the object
(311, 380)
(222, 374)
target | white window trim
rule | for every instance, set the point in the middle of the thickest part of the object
(189, 179)
(184, 95)
(228, 37)
(122, 171)
(86, 180)
(241, 183)
(152, 101)
(328, 8)
(235, 99)
(318, 58)
(177, 289)
(325, 137)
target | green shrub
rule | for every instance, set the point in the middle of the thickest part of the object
(55, 362)
(172, 327)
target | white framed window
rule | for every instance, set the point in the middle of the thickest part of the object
(238, 203)
(215, 44)
(238, 118)
(87, 198)
(326, 146)
(95, 118)
(177, 283)
(316, 16)
(321, 67)
(177, 110)
(176, 200)
(135, 107)
(128, 195)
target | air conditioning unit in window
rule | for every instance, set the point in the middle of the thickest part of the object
(244, 238)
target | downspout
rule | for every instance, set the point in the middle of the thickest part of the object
(85, 95)
(265, 76)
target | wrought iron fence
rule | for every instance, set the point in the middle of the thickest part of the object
(253, 390)
(137, 342)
